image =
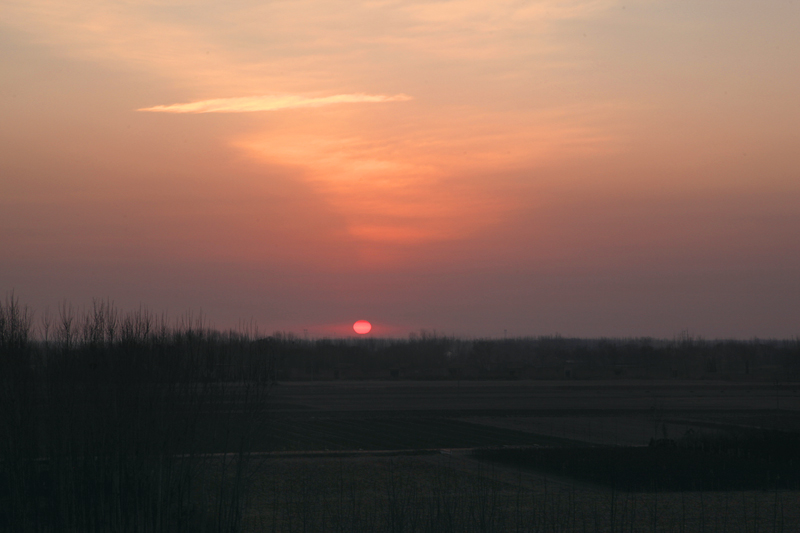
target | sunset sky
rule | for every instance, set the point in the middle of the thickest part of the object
(580, 167)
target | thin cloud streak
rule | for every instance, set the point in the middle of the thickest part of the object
(249, 104)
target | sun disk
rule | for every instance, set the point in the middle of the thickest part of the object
(362, 327)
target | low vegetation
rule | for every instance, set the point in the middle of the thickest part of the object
(100, 422)
(427, 356)
(130, 422)
(446, 494)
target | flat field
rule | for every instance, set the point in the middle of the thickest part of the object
(406, 456)
(436, 493)
(450, 414)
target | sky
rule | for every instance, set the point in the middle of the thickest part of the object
(522, 168)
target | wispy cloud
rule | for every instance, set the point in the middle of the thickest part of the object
(248, 104)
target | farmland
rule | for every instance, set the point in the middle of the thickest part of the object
(408, 415)
(608, 413)
(124, 423)
(440, 456)
(417, 487)
(453, 493)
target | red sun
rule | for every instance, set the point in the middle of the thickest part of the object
(362, 327)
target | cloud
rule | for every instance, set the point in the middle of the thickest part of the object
(248, 104)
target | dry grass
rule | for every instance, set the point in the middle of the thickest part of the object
(109, 421)
(99, 423)
(440, 494)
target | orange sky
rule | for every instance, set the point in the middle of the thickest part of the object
(582, 167)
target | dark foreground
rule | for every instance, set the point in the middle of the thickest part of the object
(531, 456)
(123, 423)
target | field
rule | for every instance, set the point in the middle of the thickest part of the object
(124, 423)
(520, 412)
(373, 415)
(440, 456)
(449, 493)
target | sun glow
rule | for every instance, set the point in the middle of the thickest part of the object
(362, 327)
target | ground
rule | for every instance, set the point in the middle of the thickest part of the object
(397, 456)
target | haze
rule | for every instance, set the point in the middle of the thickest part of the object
(582, 167)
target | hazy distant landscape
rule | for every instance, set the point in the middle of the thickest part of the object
(120, 421)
